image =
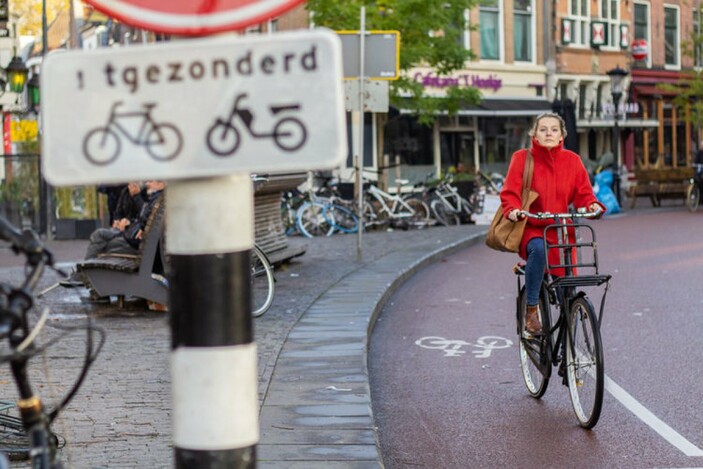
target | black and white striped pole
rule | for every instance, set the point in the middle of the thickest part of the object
(209, 235)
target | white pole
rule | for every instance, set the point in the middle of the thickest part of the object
(360, 179)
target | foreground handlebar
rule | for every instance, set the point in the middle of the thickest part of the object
(552, 216)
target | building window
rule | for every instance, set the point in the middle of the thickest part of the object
(579, 14)
(698, 34)
(490, 30)
(642, 28)
(522, 30)
(671, 36)
(610, 13)
(583, 96)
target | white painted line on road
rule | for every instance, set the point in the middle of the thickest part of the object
(656, 424)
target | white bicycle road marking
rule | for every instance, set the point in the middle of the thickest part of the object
(452, 348)
(654, 422)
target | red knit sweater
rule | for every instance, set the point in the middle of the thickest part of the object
(559, 178)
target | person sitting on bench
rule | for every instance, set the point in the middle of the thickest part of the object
(125, 235)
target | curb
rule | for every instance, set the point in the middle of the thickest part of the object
(317, 412)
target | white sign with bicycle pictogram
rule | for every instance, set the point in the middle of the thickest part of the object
(195, 108)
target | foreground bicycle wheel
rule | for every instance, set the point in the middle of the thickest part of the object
(584, 362)
(262, 282)
(535, 352)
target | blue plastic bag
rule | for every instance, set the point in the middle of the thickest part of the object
(604, 192)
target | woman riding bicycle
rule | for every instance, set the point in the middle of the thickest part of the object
(560, 179)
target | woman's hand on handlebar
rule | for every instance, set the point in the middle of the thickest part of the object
(516, 214)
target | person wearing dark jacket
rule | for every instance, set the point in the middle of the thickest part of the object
(125, 236)
(130, 202)
(561, 180)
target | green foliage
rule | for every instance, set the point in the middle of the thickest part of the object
(431, 34)
(689, 90)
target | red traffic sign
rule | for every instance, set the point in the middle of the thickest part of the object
(193, 18)
(640, 49)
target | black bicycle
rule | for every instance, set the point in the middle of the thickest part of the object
(572, 342)
(19, 330)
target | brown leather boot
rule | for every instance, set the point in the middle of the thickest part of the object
(532, 324)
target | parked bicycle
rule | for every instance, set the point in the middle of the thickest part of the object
(324, 215)
(103, 145)
(288, 133)
(693, 192)
(448, 206)
(396, 210)
(572, 342)
(20, 331)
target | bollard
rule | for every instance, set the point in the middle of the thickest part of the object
(209, 235)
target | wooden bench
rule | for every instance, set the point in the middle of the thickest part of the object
(659, 183)
(138, 275)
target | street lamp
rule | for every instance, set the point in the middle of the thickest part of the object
(617, 77)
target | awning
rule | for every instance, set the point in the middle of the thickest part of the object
(623, 124)
(508, 107)
(652, 90)
(503, 108)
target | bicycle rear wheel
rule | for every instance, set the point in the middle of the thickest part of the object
(535, 352)
(262, 282)
(442, 213)
(421, 216)
(584, 362)
(343, 219)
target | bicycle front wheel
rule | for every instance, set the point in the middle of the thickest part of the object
(262, 282)
(584, 362)
(535, 352)
(693, 197)
(312, 220)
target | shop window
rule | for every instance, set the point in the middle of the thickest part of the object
(404, 136)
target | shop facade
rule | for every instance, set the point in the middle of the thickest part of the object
(479, 137)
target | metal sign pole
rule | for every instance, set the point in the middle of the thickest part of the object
(360, 176)
(213, 356)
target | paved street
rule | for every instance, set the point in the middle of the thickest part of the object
(313, 384)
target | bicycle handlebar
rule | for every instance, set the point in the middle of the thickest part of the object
(551, 216)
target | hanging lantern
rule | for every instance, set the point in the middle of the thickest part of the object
(33, 89)
(17, 73)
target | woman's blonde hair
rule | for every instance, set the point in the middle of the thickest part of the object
(562, 124)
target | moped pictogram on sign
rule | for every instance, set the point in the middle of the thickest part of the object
(289, 133)
(162, 140)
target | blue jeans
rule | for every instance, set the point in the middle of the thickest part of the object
(534, 270)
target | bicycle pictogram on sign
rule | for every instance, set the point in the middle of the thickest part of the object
(289, 133)
(162, 140)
